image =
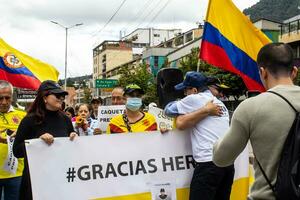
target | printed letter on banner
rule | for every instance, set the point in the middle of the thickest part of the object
(11, 162)
(135, 166)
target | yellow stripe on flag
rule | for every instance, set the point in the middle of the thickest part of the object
(236, 27)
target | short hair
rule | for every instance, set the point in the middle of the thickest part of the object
(70, 110)
(119, 87)
(5, 84)
(277, 58)
(98, 100)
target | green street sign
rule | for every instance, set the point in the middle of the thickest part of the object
(106, 83)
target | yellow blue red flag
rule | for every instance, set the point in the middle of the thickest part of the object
(22, 70)
(231, 42)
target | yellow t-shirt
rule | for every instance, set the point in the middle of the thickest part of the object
(146, 123)
(10, 120)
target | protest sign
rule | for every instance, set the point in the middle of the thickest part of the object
(163, 121)
(105, 113)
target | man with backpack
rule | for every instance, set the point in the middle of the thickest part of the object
(266, 120)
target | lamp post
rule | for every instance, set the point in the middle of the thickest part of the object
(66, 47)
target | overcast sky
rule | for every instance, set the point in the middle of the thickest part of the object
(25, 25)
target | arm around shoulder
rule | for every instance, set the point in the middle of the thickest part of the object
(191, 119)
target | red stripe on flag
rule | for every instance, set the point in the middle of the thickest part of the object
(225, 63)
(20, 80)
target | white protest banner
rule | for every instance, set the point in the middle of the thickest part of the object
(109, 167)
(105, 113)
(162, 120)
(11, 162)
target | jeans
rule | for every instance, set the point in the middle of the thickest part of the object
(210, 182)
(10, 187)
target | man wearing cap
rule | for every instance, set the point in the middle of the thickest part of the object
(209, 182)
(10, 119)
(133, 120)
(95, 103)
(216, 87)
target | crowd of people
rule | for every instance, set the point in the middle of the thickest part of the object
(216, 142)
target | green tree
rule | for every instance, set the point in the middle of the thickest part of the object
(140, 76)
(87, 95)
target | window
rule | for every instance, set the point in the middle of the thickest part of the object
(155, 61)
(156, 35)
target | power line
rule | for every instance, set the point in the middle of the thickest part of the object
(139, 14)
(148, 14)
(110, 19)
(159, 12)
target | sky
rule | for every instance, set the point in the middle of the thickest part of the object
(26, 26)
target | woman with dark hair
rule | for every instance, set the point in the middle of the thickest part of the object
(44, 120)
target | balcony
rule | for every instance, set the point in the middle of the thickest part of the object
(290, 32)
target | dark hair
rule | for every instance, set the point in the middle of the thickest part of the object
(97, 100)
(70, 110)
(38, 107)
(277, 58)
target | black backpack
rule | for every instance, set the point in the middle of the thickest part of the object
(287, 186)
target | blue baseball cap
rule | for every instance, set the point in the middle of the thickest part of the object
(192, 79)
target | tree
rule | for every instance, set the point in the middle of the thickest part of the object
(140, 76)
(87, 95)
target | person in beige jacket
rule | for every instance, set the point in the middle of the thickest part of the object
(265, 120)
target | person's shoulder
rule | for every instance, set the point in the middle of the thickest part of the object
(149, 115)
(63, 115)
(19, 111)
(190, 99)
(253, 104)
(29, 119)
(117, 119)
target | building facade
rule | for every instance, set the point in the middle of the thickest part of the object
(269, 27)
(108, 55)
(148, 37)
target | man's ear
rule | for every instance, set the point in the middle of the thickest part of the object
(195, 91)
(294, 73)
(263, 73)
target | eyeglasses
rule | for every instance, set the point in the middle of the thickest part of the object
(5, 97)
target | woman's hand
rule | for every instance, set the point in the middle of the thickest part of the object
(97, 131)
(72, 136)
(48, 138)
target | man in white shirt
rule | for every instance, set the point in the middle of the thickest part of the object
(209, 181)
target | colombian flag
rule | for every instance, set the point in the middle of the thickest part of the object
(22, 70)
(231, 42)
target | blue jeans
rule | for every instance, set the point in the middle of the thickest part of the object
(10, 187)
(210, 182)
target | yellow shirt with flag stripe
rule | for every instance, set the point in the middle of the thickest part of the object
(146, 123)
(10, 120)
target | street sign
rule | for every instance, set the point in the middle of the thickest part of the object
(106, 83)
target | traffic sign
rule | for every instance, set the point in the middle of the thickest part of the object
(106, 83)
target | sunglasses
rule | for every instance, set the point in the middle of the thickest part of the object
(57, 95)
